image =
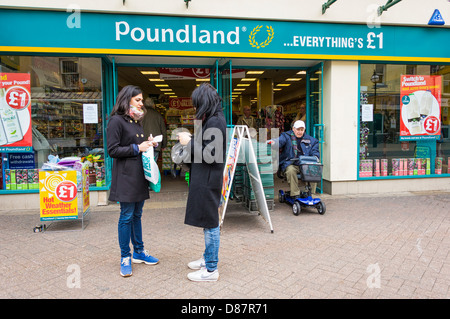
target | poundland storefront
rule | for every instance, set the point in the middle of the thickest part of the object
(376, 98)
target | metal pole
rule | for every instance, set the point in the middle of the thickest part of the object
(326, 5)
(389, 4)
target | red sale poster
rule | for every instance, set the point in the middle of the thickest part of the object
(184, 73)
(15, 112)
(420, 107)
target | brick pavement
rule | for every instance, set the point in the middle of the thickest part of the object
(389, 247)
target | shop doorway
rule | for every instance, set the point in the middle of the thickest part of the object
(314, 108)
(170, 87)
(265, 89)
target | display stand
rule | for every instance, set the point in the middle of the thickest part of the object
(239, 137)
(64, 196)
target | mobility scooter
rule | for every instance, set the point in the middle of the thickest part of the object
(310, 172)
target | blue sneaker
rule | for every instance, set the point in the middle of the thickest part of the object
(144, 257)
(125, 267)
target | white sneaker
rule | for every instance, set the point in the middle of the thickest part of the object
(204, 275)
(197, 264)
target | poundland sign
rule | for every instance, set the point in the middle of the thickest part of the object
(102, 33)
(188, 34)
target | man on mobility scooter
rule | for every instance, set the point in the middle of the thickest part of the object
(299, 162)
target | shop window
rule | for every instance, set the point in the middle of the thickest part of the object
(64, 117)
(404, 121)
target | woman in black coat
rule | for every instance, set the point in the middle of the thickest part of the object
(125, 143)
(207, 150)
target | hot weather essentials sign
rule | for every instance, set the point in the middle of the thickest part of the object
(58, 195)
(420, 108)
(61, 195)
(103, 33)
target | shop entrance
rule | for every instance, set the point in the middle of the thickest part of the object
(275, 95)
(315, 126)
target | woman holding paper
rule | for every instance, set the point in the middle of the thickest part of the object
(207, 149)
(125, 143)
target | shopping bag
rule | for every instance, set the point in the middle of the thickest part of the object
(156, 187)
(151, 169)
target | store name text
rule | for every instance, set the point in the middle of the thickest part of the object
(188, 34)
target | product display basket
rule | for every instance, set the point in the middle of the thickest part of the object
(310, 170)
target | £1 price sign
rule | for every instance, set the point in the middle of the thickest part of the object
(66, 191)
(18, 97)
(431, 125)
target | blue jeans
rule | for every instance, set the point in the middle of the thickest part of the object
(130, 228)
(212, 243)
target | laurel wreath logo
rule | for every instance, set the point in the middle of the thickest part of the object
(252, 36)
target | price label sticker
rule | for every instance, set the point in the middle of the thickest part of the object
(431, 125)
(17, 98)
(66, 191)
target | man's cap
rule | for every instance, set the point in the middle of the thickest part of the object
(299, 124)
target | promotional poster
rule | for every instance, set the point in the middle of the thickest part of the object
(15, 112)
(420, 107)
(63, 194)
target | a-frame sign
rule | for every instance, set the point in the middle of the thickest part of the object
(239, 139)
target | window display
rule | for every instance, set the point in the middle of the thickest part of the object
(65, 112)
(404, 120)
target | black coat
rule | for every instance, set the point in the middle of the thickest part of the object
(205, 184)
(128, 183)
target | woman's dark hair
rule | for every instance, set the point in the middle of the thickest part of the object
(206, 101)
(122, 105)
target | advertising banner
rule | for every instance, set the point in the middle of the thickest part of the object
(15, 113)
(58, 195)
(239, 139)
(194, 73)
(132, 34)
(183, 73)
(180, 103)
(61, 195)
(420, 107)
(230, 168)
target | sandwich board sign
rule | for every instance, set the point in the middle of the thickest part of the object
(240, 138)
